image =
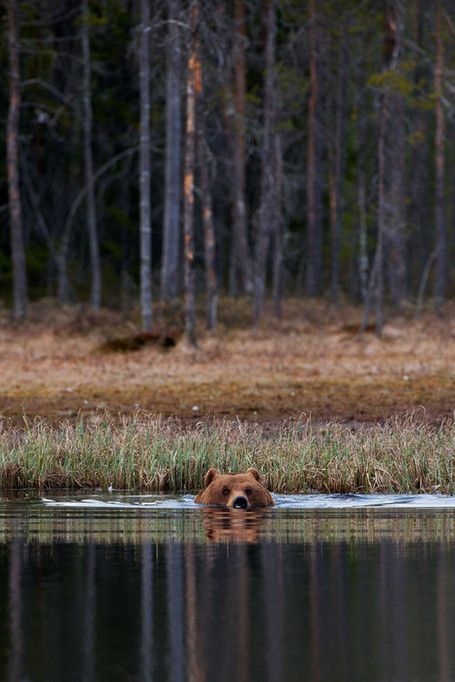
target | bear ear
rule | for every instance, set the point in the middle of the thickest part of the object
(210, 476)
(254, 473)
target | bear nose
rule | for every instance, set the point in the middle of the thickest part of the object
(240, 503)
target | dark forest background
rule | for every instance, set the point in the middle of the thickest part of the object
(264, 148)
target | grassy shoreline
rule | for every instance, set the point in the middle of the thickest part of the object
(151, 453)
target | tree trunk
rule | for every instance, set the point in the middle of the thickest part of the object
(363, 246)
(336, 172)
(277, 274)
(144, 168)
(172, 191)
(20, 288)
(394, 157)
(313, 209)
(441, 238)
(211, 283)
(267, 202)
(206, 200)
(240, 247)
(376, 280)
(419, 217)
(390, 222)
(361, 261)
(87, 123)
(192, 87)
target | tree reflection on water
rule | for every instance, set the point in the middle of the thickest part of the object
(222, 595)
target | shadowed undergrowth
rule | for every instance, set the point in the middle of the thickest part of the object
(141, 452)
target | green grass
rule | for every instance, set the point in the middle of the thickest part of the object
(141, 452)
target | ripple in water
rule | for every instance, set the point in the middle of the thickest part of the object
(351, 501)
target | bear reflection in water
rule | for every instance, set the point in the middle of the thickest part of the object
(226, 525)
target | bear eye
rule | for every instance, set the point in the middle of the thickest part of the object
(225, 491)
(248, 491)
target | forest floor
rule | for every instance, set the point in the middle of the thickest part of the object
(59, 364)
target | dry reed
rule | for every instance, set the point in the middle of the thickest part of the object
(143, 452)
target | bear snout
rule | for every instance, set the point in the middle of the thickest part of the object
(240, 502)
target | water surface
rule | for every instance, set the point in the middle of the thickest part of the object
(116, 587)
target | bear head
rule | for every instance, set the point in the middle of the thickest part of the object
(236, 491)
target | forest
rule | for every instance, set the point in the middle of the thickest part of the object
(173, 150)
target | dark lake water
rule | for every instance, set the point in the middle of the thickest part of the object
(156, 589)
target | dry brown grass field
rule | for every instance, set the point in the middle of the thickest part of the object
(312, 363)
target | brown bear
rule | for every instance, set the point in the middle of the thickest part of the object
(236, 491)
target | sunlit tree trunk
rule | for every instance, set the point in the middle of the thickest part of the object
(20, 288)
(313, 208)
(144, 168)
(441, 238)
(267, 202)
(172, 190)
(192, 86)
(87, 123)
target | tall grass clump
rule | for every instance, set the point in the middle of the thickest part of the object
(143, 452)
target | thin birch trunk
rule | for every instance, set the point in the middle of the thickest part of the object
(87, 124)
(267, 202)
(440, 223)
(144, 169)
(192, 87)
(20, 287)
(173, 164)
